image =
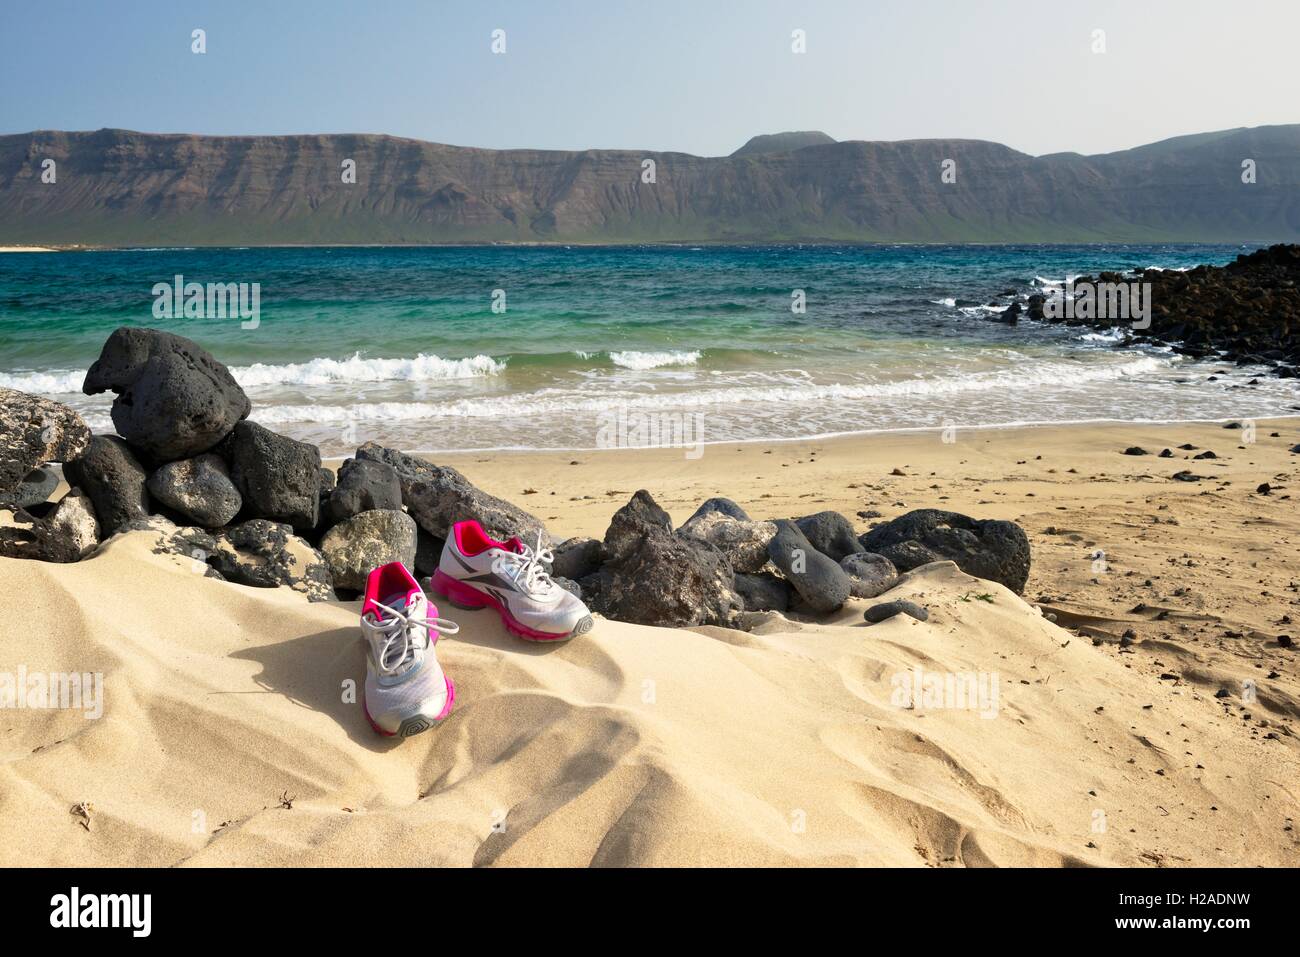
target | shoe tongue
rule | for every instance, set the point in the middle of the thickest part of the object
(515, 545)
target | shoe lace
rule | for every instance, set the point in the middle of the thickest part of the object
(404, 634)
(528, 566)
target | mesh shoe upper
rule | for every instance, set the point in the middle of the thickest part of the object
(515, 574)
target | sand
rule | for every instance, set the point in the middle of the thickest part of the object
(227, 736)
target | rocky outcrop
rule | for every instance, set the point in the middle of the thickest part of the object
(992, 549)
(114, 480)
(34, 431)
(174, 400)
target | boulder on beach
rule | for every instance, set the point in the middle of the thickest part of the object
(577, 558)
(821, 583)
(634, 523)
(362, 485)
(34, 431)
(744, 542)
(277, 477)
(763, 592)
(428, 552)
(653, 577)
(990, 548)
(438, 497)
(110, 475)
(200, 489)
(35, 488)
(869, 574)
(722, 505)
(889, 609)
(68, 533)
(830, 533)
(174, 400)
(362, 543)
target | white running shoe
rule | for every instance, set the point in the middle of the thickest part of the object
(476, 571)
(406, 691)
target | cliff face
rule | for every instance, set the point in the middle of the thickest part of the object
(120, 187)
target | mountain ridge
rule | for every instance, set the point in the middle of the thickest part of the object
(124, 188)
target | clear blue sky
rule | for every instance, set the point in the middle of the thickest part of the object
(700, 77)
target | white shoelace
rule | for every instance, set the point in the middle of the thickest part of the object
(401, 634)
(528, 568)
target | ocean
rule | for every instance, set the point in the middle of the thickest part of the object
(478, 348)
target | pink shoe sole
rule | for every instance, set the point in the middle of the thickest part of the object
(467, 597)
(419, 723)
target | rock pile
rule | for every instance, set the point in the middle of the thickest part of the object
(254, 507)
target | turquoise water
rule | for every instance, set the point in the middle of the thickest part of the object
(402, 345)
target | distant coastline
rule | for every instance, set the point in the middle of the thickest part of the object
(135, 189)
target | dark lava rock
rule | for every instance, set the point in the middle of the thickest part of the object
(363, 485)
(277, 477)
(718, 504)
(908, 555)
(114, 481)
(990, 548)
(869, 574)
(1207, 454)
(1186, 476)
(34, 431)
(174, 400)
(258, 553)
(577, 558)
(68, 533)
(428, 552)
(653, 577)
(1166, 454)
(743, 542)
(888, 609)
(438, 497)
(632, 524)
(763, 592)
(830, 533)
(1136, 450)
(35, 488)
(818, 579)
(199, 488)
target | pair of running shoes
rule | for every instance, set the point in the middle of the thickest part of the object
(406, 690)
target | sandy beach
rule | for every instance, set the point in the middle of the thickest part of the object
(227, 734)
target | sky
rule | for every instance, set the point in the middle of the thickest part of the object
(698, 77)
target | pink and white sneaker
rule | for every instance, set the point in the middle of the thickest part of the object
(406, 691)
(476, 571)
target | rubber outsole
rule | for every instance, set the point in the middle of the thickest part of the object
(416, 724)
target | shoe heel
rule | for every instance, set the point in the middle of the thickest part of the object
(457, 595)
